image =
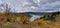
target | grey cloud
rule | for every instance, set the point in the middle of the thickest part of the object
(50, 6)
(32, 5)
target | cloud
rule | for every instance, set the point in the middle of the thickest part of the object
(0, 1)
(33, 5)
(51, 6)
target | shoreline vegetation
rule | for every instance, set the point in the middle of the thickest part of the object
(12, 20)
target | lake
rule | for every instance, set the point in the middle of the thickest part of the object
(35, 17)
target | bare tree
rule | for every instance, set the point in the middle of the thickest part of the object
(7, 8)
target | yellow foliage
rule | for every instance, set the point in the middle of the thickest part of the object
(41, 22)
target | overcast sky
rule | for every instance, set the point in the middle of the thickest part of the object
(33, 5)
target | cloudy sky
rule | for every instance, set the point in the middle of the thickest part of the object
(33, 5)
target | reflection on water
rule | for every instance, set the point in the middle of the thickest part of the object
(34, 17)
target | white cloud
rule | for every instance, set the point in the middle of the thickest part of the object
(0, 2)
(34, 5)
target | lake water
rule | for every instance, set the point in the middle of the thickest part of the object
(34, 17)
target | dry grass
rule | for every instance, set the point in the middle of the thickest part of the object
(47, 24)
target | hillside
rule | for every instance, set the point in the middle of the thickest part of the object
(50, 20)
(22, 20)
